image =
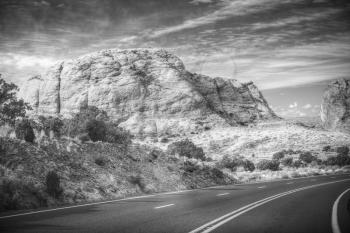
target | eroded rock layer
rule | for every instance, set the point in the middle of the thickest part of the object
(335, 108)
(149, 91)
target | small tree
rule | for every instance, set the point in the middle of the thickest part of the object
(24, 131)
(10, 107)
(187, 149)
(53, 124)
(288, 162)
(96, 130)
(77, 125)
(343, 150)
(307, 157)
(265, 164)
(278, 155)
(53, 186)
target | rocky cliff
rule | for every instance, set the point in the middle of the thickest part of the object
(149, 91)
(335, 108)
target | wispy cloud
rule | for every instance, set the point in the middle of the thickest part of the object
(228, 9)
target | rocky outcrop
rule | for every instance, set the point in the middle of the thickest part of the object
(150, 91)
(335, 108)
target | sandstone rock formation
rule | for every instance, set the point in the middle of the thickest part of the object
(335, 108)
(150, 91)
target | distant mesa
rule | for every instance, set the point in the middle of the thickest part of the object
(149, 90)
(335, 108)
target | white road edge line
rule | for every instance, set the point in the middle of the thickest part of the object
(222, 194)
(95, 203)
(152, 195)
(335, 224)
(163, 206)
(212, 225)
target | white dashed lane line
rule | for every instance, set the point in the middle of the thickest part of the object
(290, 183)
(163, 206)
(222, 194)
(261, 187)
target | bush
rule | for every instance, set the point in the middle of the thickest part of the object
(139, 181)
(53, 124)
(326, 148)
(84, 137)
(24, 130)
(164, 140)
(340, 160)
(186, 148)
(342, 150)
(53, 187)
(307, 157)
(278, 155)
(101, 161)
(297, 163)
(232, 164)
(288, 162)
(96, 129)
(248, 165)
(117, 135)
(227, 162)
(265, 164)
(77, 125)
(190, 167)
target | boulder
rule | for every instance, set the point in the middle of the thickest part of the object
(148, 90)
(335, 108)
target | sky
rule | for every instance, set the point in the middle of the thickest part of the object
(290, 49)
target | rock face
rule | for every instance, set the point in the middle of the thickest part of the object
(149, 91)
(335, 108)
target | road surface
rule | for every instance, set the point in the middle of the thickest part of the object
(307, 205)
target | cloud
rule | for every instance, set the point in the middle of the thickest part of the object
(307, 106)
(23, 61)
(229, 9)
(293, 105)
(196, 2)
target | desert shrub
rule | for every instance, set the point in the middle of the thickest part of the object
(139, 181)
(206, 128)
(247, 165)
(164, 140)
(186, 148)
(24, 130)
(342, 150)
(155, 154)
(340, 160)
(234, 163)
(117, 135)
(307, 157)
(53, 124)
(16, 194)
(288, 162)
(77, 125)
(278, 155)
(101, 161)
(227, 162)
(53, 186)
(83, 137)
(10, 107)
(326, 148)
(297, 163)
(96, 129)
(190, 167)
(217, 173)
(265, 164)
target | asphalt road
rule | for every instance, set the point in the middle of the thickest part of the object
(298, 205)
